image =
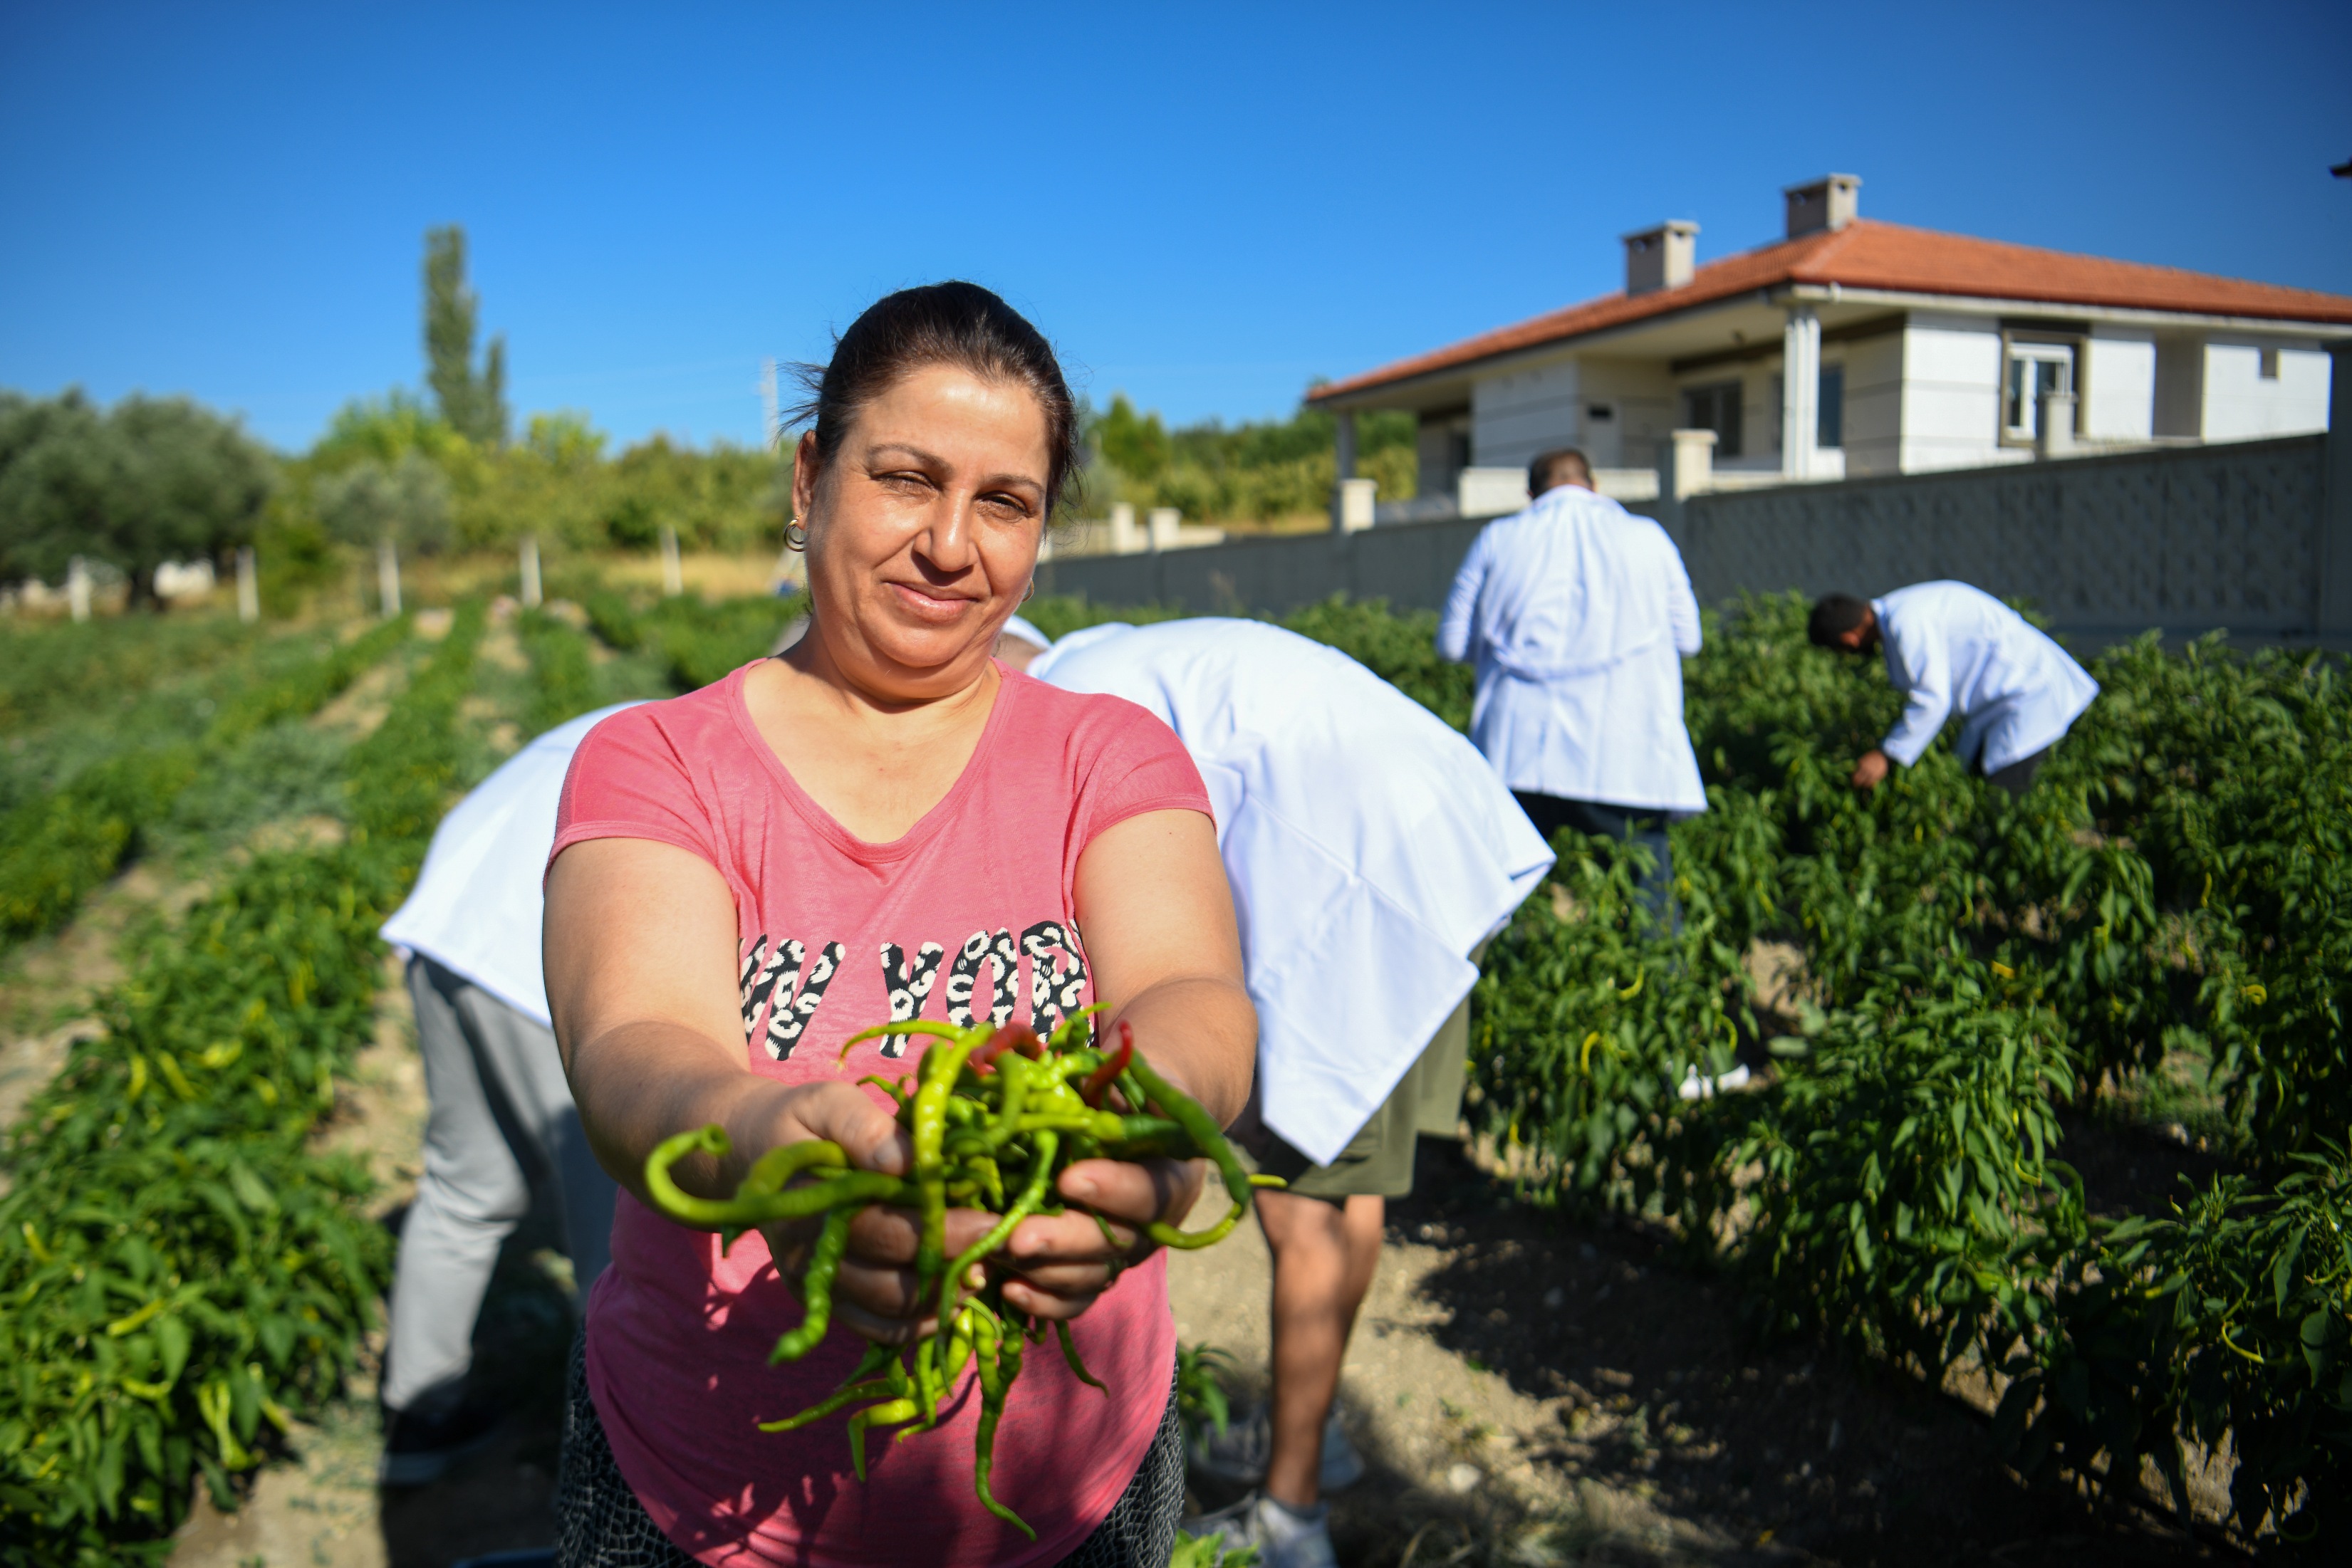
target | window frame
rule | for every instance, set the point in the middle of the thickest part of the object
(2065, 348)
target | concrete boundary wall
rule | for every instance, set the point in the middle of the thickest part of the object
(1410, 565)
(2187, 540)
(2250, 536)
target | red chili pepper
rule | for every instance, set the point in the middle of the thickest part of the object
(1008, 1037)
(1099, 1081)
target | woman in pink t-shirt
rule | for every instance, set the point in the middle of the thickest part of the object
(882, 823)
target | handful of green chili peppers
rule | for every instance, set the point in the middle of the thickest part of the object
(995, 1115)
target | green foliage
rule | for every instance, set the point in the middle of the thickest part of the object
(184, 1274)
(472, 403)
(1210, 1552)
(1255, 471)
(2227, 1317)
(1400, 648)
(697, 642)
(563, 681)
(406, 501)
(155, 479)
(1201, 1399)
(1059, 614)
(56, 848)
(53, 669)
(2177, 879)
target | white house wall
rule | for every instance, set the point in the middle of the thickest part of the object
(2239, 405)
(2119, 384)
(1640, 396)
(1514, 414)
(1873, 404)
(1951, 395)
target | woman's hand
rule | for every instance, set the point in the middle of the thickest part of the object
(1054, 1267)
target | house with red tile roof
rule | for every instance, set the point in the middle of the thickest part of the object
(1850, 347)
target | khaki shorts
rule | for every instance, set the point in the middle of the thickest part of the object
(1378, 1161)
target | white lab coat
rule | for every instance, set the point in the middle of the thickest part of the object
(1949, 646)
(1576, 614)
(477, 906)
(1369, 847)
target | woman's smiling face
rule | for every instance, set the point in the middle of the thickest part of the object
(923, 530)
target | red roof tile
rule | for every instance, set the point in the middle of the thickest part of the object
(1867, 254)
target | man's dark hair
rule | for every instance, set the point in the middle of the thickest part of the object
(1560, 465)
(959, 324)
(1834, 615)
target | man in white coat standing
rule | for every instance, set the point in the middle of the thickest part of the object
(1372, 853)
(1950, 646)
(1576, 615)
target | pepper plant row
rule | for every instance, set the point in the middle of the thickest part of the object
(181, 1271)
(55, 850)
(2179, 882)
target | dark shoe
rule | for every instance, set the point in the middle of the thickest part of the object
(419, 1449)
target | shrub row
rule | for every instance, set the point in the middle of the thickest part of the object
(697, 642)
(2176, 883)
(183, 1272)
(54, 851)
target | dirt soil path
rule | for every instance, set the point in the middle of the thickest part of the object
(1529, 1391)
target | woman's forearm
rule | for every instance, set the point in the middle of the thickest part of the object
(1200, 1032)
(638, 1084)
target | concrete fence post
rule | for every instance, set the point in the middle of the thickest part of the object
(1124, 539)
(1164, 523)
(387, 578)
(2334, 619)
(1343, 455)
(529, 564)
(77, 589)
(1685, 468)
(2054, 434)
(673, 577)
(249, 587)
(1359, 501)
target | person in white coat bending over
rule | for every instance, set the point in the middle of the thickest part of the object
(501, 1117)
(1576, 615)
(1372, 853)
(1949, 646)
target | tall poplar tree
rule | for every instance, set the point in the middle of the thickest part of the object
(473, 404)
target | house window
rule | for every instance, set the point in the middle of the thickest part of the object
(1829, 425)
(2266, 363)
(1457, 449)
(2036, 370)
(1716, 408)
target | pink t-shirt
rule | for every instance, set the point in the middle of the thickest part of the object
(971, 914)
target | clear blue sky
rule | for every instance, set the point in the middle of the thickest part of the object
(1204, 205)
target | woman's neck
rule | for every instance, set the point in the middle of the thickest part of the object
(876, 756)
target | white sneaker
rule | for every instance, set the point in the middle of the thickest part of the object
(1283, 1539)
(1238, 1455)
(1696, 1086)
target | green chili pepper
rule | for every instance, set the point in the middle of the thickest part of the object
(817, 1289)
(1070, 1354)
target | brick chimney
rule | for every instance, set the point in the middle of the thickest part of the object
(1828, 203)
(1661, 257)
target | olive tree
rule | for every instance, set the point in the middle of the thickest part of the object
(155, 479)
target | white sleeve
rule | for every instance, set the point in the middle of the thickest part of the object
(1682, 605)
(1923, 673)
(1462, 602)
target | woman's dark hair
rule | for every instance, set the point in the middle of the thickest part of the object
(956, 323)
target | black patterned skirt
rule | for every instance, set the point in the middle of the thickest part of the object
(603, 1524)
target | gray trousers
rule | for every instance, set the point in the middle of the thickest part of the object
(502, 1118)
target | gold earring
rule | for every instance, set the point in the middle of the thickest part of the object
(796, 535)
(1032, 593)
